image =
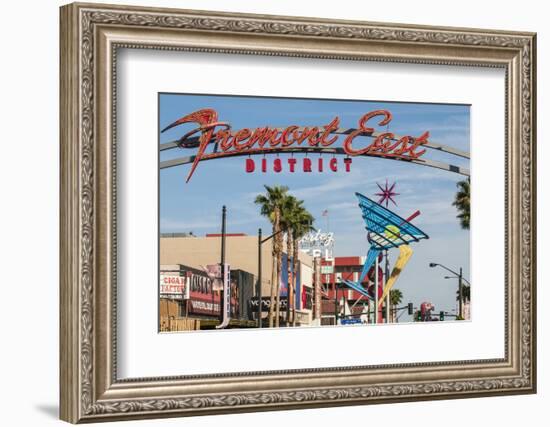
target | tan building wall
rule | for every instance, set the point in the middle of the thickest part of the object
(241, 252)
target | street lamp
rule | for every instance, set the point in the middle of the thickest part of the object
(459, 277)
(454, 277)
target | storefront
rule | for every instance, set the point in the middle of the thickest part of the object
(188, 292)
(242, 255)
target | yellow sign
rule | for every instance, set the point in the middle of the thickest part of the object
(405, 253)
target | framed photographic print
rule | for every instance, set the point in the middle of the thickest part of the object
(267, 212)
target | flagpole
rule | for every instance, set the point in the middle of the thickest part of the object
(327, 284)
(376, 290)
(386, 278)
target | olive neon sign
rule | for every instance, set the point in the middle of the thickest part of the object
(265, 140)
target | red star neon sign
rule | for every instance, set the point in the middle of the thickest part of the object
(386, 194)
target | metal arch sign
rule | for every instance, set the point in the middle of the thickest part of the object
(307, 139)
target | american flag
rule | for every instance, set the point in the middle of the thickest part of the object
(325, 212)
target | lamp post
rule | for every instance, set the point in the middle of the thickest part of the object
(222, 295)
(459, 277)
(386, 278)
(376, 309)
(454, 277)
(336, 302)
(259, 278)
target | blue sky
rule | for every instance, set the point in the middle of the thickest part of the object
(196, 206)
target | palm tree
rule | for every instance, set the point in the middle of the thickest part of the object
(396, 296)
(290, 208)
(302, 225)
(296, 221)
(462, 203)
(270, 206)
(465, 293)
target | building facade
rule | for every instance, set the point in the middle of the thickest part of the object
(184, 260)
(340, 304)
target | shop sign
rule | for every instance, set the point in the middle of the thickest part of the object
(266, 302)
(204, 306)
(350, 321)
(174, 286)
(318, 244)
(303, 317)
(327, 269)
(214, 273)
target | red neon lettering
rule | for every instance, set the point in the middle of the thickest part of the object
(267, 139)
(347, 162)
(333, 164)
(259, 136)
(409, 150)
(277, 166)
(222, 137)
(250, 166)
(284, 136)
(273, 140)
(363, 130)
(307, 133)
(291, 164)
(331, 127)
(207, 119)
(241, 135)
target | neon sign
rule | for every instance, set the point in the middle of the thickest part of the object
(317, 244)
(265, 140)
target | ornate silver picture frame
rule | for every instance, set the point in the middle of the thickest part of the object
(91, 37)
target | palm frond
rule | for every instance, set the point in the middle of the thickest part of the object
(462, 203)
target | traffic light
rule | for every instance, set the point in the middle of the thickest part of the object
(418, 316)
(442, 316)
(410, 308)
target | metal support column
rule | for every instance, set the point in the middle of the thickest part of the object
(259, 278)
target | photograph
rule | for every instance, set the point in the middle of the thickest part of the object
(292, 212)
(272, 209)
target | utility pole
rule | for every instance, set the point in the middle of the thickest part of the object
(336, 305)
(261, 241)
(376, 308)
(460, 293)
(317, 290)
(224, 213)
(460, 289)
(386, 277)
(259, 278)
